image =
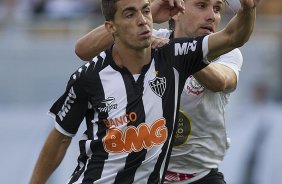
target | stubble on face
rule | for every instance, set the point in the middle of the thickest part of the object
(202, 17)
(133, 22)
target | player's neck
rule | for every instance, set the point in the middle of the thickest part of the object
(132, 59)
(179, 34)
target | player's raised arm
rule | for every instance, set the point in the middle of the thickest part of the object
(91, 44)
(99, 39)
(236, 33)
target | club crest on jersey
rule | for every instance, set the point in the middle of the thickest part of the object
(107, 105)
(193, 87)
(158, 85)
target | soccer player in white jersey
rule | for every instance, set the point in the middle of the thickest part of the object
(129, 95)
(201, 139)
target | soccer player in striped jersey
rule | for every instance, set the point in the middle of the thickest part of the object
(129, 96)
(201, 139)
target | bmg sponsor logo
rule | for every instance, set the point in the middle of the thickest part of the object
(134, 139)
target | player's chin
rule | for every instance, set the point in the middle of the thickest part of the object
(146, 43)
(206, 32)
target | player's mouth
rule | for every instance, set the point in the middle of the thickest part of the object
(145, 34)
(207, 29)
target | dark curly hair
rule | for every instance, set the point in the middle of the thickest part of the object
(109, 8)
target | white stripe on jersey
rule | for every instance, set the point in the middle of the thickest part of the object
(80, 179)
(114, 159)
(95, 126)
(110, 166)
(87, 148)
(150, 112)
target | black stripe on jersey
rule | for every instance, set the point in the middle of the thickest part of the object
(76, 174)
(89, 132)
(99, 155)
(82, 159)
(134, 91)
(93, 166)
(168, 99)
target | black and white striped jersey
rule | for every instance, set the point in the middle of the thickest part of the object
(129, 122)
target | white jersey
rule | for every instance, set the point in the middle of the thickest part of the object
(201, 140)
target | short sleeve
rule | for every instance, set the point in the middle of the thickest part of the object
(233, 60)
(70, 109)
(186, 55)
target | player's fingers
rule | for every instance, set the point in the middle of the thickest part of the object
(163, 42)
(171, 3)
(179, 4)
(154, 45)
(159, 42)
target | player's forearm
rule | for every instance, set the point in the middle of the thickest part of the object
(43, 169)
(50, 157)
(216, 77)
(234, 35)
(241, 26)
(94, 42)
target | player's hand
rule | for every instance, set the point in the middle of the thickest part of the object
(158, 42)
(248, 4)
(163, 10)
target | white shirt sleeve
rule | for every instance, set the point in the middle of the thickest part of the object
(205, 48)
(165, 33)
(233, 60)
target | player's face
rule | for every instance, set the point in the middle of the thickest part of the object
(201, 17)
(133, 23)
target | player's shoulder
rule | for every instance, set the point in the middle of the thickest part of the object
(236, 52)
(100, 61)
(91, 67)
(234, 55)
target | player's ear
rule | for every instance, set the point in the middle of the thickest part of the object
(110, 27)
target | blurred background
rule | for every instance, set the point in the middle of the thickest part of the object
(37, 40)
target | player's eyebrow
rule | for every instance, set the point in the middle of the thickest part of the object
(131, 8)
